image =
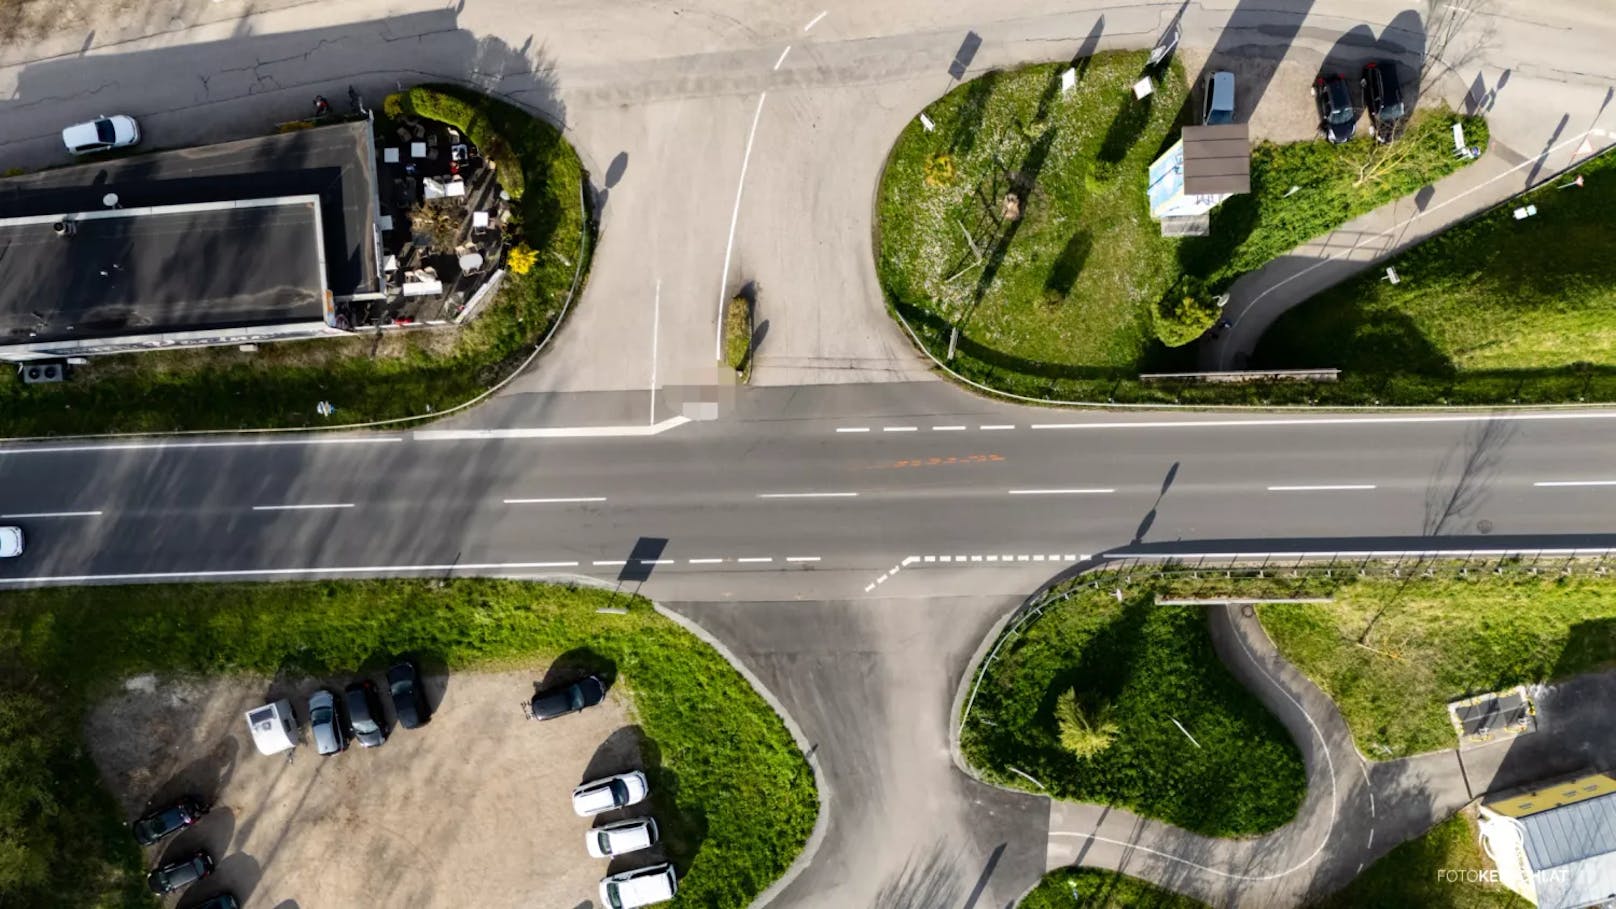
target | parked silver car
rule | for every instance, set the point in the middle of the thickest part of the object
(326, 723)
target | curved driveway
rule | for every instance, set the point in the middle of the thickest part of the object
(812, 526)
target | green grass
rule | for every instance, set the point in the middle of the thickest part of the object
(741, 810)
(1407, 876)
(1152, 664)
(1059, 304)
(406, 374)
(1091, 888)
(1496, 310)
(1431, 641)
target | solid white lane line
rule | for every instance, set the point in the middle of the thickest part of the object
(802, 558)
(612, 562)
(807, 495)
(316, 507)
(53, 514)
(852, 429)
(734, 218)
(550, 432)
(948, 429)
(754, 559)
(992, 427)
(1575, 483)
(656, 329)
(1061, 492)
(704, 561)
(560, 501)
(1339, 421)
(282, 572)
(244, 443)
(815, 20)
(782, 58)
(1339, 487)
(900, 429)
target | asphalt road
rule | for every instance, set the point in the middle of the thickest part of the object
(740, 141)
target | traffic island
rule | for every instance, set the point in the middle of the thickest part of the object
(280, 308)
(733, 795)
(1126, 703)
(1015, 240)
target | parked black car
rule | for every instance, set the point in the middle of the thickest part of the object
(221, 901)
(165, 822)
(409, 698)
(1383, 98)
(365, 715)
(1337, 116)
(181, 873)
(558, 702)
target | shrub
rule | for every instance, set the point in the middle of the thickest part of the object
(1184, 313)
(939, 169)
(473, 115)
(1084, 731)
(738, 332)
(521, 259)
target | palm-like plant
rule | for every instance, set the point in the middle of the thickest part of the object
(1085, 730)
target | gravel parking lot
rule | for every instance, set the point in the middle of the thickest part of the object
(471, 810)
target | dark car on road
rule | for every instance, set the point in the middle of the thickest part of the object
(558, 702)
(1383, 98)
(409, 698)
(1337, 116)
(221, 901)
(365, 716)
(165, 822)
(326, 723)
(183, 873)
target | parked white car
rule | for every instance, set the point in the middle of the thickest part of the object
(10, 542)
(640, 887)
(100, 134)
(611, 792)
(621, 838)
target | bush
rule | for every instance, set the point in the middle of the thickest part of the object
(1085, 732)
(1185, 313)
(521, 259)
(738, 332)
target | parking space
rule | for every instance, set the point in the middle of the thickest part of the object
(471, 810)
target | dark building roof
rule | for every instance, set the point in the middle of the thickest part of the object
(1217, 160)
(335, 163)
(175, 268)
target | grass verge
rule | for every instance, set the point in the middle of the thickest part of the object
(1059, 302)
(1407, 876)
(366, 376)
(1497, 310)
(738, 335)
(743, 808)
(1151, 665)
(1091, 888)
(1392, 653)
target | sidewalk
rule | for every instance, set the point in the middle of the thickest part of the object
(1260, 297)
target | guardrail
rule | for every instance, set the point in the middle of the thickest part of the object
(1246, 375)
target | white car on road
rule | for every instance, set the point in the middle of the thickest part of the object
(100, 134)
(10, 542)
(620, 791)
(621, 838)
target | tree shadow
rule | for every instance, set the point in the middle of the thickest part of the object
(1079, 64)
(682, 827)
(927, 880)
(972, 109)
(1023, 180)
(1130, 120)
(1462, 479)
(202, 779)
(1068, 265)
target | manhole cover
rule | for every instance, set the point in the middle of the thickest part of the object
(1484, 525)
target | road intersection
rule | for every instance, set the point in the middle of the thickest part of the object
(810, 527)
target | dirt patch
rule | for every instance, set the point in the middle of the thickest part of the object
(471, 810)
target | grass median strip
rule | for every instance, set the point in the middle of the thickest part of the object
(1092, 888)
(1127, 704)
(1444, 869)
(744, 803)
